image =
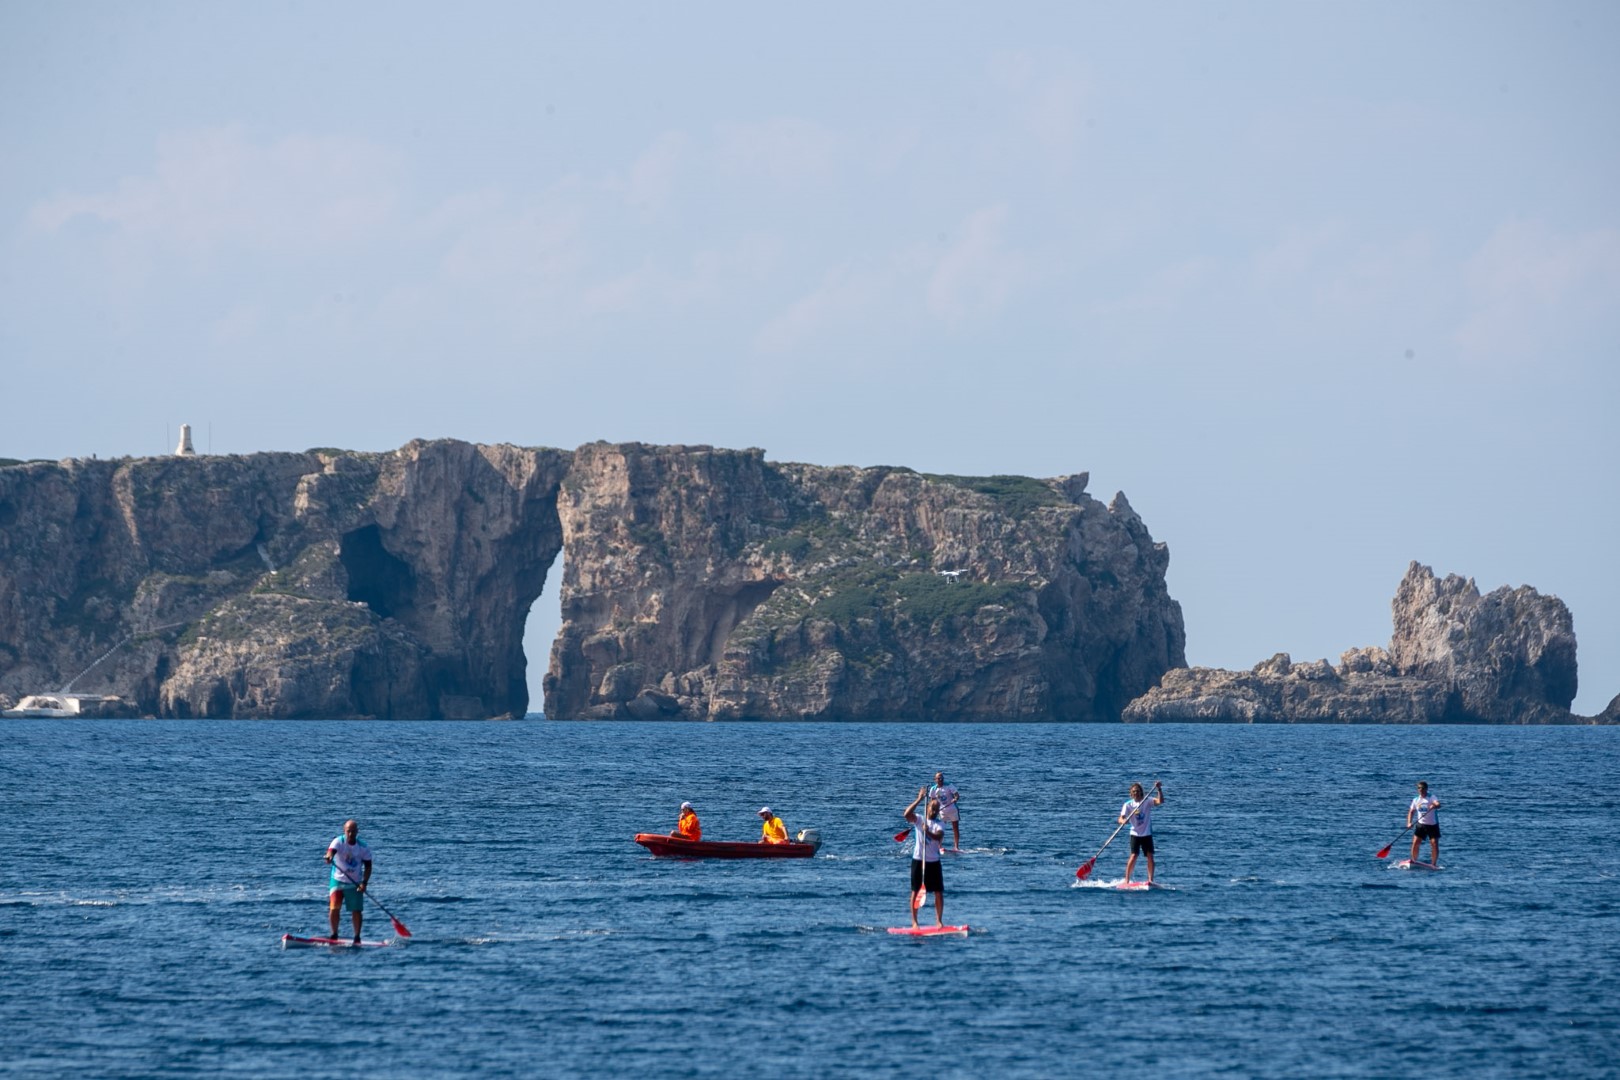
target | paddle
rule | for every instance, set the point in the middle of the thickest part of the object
(900, 837)
(1383, 852)
(1091, 863)
(399, 927)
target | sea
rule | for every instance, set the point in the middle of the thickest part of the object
(148, 870)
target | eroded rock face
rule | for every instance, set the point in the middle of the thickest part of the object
(712, 584)
(325, 584)
(1455, 657)
(699, 583)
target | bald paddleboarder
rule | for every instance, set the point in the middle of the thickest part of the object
(350, 860)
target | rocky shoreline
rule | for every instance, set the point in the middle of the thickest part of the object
(1455, 657)
(697, 583)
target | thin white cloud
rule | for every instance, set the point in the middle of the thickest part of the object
(846, 295)
(789, 151)
(1529, 286)
(214, 189)
(1049, 105)
(651, 180)
(977, 274)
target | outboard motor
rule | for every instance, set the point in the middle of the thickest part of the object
(809, 836)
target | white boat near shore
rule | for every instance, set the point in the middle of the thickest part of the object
(62, 706)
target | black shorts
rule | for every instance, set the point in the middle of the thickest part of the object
(1141, 845)
(932, 875)
(1427, 832)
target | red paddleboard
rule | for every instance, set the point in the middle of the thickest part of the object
(930, 931)
(289, 941)
(1408, 864)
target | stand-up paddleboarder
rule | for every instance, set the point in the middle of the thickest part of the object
(925, 869)
(948, 796)
(1138, 810)
(1422, 813)
(350, 860)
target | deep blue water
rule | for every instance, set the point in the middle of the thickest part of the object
(148, 869)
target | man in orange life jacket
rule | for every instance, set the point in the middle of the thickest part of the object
(688, 828)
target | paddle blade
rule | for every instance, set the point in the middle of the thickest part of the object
(901, 835)
(918, 897)
(1085, 869)
(1383, 852)
(399, 927)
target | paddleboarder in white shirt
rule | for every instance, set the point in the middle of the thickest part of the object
(350, 861)
(1138, 810)
(925, 868)
(1422, 811)
(947, 796)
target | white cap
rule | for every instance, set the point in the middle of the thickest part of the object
(686, 806)
(764, 811)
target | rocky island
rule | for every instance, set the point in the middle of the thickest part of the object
(1507, 657)
(698, 583)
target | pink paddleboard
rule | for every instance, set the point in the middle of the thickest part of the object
(930, 931)
(1408, 864)
(1137, 886)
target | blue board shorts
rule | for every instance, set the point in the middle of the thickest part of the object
(352, 900)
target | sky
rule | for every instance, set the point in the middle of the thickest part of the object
(1323, 289)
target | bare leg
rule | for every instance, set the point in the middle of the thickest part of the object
(939, 908)
(1416, 843)
(911, 902)
(355, 915)
(1150, 867)
(1130, 866)
(1434, 850)
(956, 837)
(335, 911)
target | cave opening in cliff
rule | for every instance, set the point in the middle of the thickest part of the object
(540, 628)
(378, 579)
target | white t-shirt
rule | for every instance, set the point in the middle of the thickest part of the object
(930, 837)
(946, 795)
(1139, 814)
(348, 859)
(1424, 807)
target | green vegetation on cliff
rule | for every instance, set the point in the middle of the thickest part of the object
(1016, 495)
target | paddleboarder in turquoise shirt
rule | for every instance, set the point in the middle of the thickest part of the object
(350, 861)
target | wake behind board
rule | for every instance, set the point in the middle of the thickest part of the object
(1409, 864)
(930, 931)
(293, 941)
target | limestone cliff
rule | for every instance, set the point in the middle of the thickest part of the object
(1455, 657)
(323, 584)
(712, 584)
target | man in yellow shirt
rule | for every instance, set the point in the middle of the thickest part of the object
(688, 828)
(773, 831)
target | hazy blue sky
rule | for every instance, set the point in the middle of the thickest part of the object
(1323, 289)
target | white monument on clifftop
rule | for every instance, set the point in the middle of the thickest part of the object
(184, 449)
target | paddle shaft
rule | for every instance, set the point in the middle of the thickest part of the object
(399, 927)
(1383, 852)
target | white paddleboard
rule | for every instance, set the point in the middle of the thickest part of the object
(293, 941)
(1408, 864)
